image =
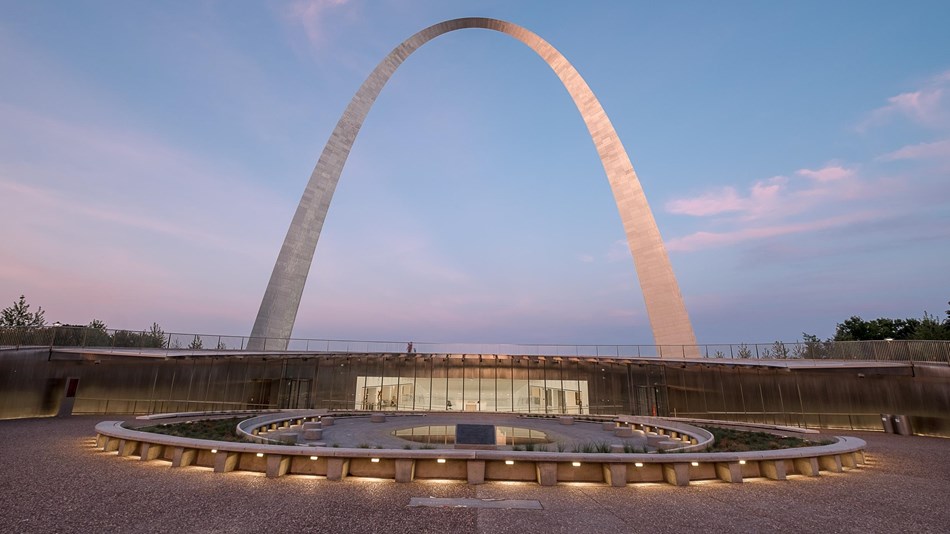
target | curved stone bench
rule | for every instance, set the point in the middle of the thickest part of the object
(691, 438)
(252, 428)
(477, 466)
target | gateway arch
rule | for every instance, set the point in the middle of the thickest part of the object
(664, 303)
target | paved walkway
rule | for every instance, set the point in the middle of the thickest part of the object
(359, 431)
(52, 479)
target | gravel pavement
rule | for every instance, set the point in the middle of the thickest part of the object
(52, 479)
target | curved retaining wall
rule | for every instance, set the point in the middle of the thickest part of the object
(478, 466)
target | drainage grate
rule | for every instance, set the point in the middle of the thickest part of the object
(476, 503)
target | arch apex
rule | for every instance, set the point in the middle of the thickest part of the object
(665, 307)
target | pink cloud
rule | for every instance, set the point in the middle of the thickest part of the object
(937, 149)
(705, 240)
(762, 198)
(828, 173)
(926, 106)
(773, 198)
(919, 105)
(310, 14)
(723, 200)
(782, 206)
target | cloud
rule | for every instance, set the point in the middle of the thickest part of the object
(586, 258)
(828, 173)
(51, 201)
(722, 200)
(772, 198)
(809, 201)
(761, 199)
(926, 106)
(705, 240)
(935, 150)
(619, 251)
(311, 15)
(115, 175)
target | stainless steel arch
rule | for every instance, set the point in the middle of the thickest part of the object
(664, 303)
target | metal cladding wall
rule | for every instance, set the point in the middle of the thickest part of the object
(33, 384)
(844, 397)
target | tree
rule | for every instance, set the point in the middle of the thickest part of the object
(743, 352)
(857, 329)
(154, 337)
(20, 315)
(196, 343)
(814, 348)
(97, 334)
(927, 328)
(931, 329)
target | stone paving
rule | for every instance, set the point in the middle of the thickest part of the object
(359, 431)
(54, 480)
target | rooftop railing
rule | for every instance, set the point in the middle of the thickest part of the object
(177, 344)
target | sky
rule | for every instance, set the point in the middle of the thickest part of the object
(796, 157)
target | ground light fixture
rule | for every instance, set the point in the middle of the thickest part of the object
(314, 457)
(694, 464)
(374, 460)
(260, 455)
(741, 462)
(441, 460)
(214, 451)
(638, 464)
(509, 462)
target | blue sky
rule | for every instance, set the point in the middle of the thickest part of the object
(796, 156)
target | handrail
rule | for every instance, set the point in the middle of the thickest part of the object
(176, 344)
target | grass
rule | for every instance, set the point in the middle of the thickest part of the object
(629, 448)
(729, 440)
(214, 429)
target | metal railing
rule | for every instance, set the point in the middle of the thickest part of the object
(177, 344)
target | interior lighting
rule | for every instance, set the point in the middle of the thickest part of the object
(441, 460)
(314, 457)
(509, 462)
(576, 464)
(374, 460)
(260, 455)
(638, 464)
(694, 464)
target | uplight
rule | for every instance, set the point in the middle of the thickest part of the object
(509, 462)
(576, 464)
(441, 460)
(374, 460)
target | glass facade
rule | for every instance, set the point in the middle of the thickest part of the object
(481, 393)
